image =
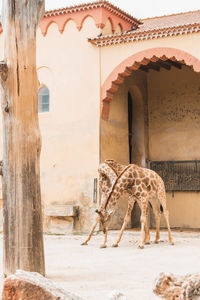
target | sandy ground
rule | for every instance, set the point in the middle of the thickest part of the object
(93, 273)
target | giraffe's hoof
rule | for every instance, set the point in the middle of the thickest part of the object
(156, 242)
(172, 243)
(103, 246)
(84, 244)
(147, 243)
(115, 245)
(140, 246)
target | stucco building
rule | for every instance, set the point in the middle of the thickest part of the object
(112, 86)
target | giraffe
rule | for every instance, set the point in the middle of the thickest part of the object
(107, 177)
(108, 173)
(145, 185)
(157, 209)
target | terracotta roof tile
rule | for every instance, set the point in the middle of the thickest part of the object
(170, 21)
(176, 24)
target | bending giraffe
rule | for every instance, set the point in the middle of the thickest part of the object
(145, 185)
(112, 169)
(108, 173)
(157, 208)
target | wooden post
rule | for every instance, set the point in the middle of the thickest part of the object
(23, 237)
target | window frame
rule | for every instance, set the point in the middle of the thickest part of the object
(40, 104)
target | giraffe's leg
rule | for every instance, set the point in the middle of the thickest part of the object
(166, 215)
(143, 223)
(91, 232)
(105, 238)
(146, 229)
(131, 202)
(147, 233)
(157, 215)
(162, 199)
(105, 227)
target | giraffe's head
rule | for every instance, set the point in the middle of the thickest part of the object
(105, 216)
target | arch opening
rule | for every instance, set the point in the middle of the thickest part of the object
(155, 58)
(154, 116)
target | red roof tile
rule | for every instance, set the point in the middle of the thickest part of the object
(157, 27)
(170, 21)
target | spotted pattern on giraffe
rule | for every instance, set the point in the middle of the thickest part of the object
(145, 185)
(151, 185)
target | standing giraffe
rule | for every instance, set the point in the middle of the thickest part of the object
(144, 185)
(108, 173)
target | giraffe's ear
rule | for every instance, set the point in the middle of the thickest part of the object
(99, 213)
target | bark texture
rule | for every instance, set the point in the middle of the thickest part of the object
(23, 239)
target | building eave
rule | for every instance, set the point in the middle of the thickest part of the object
(134, 36)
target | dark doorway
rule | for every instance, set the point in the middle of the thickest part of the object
(135, 216)
(130, 126)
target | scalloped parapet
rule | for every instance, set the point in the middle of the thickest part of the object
(100, 11)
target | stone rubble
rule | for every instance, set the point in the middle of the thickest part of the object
(116, 295)
(185, 287)
(33, 286)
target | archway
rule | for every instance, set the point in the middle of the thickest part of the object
(140, 61)
(165, 115)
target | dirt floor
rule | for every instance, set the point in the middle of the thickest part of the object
(93, 273)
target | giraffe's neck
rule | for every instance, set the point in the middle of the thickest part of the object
(110, 207)
(116, 190)
(106, 188)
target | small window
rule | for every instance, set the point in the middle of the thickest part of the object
(43, 99)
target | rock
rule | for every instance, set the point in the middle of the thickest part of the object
(33, 286)
(185, 287)
(116, 295)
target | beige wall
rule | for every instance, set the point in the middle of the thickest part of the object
(172, 101)
(184, 209)
(174, 114)
(174, 127)
(68, 65)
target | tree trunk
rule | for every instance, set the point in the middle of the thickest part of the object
(23, 238)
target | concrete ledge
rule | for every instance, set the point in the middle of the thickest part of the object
(62, 211)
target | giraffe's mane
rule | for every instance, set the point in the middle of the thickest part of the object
(111, 167)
